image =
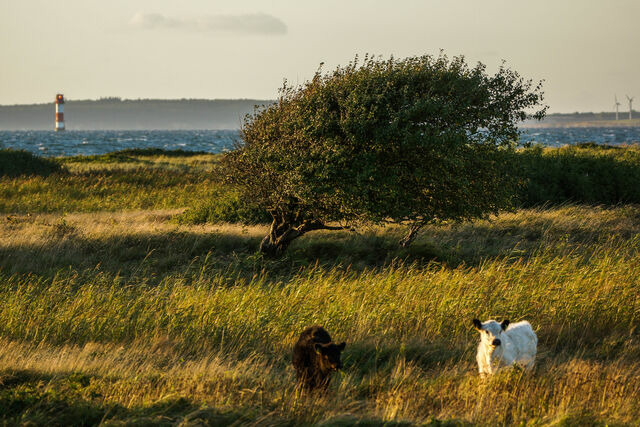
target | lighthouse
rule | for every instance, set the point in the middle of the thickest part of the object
(59, 112)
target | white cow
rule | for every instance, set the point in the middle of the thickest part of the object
(503, 345)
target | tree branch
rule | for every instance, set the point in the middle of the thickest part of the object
(317, 225)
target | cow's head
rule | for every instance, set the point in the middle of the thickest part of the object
(330, 355)
(490, 331)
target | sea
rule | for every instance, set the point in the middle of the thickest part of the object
(73, 143)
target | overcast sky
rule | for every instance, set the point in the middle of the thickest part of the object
(586, 50)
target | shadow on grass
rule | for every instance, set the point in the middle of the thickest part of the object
(233, 253)
(156, 255)
(25, 397)
(151, 254)
(367, 357)
(33, 398)
(15, 163)
(344, 421)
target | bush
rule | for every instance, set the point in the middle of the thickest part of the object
(227, 207)
(15, 163)
(580, 174)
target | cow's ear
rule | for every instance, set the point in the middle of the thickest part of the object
(477, 324)
(504, 324)
(342, 345)
(318, 348)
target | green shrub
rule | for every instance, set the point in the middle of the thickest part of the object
(227, 207)
(579, 174)
(583, 173)
(16, 163)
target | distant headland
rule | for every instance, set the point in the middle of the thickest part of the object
(604, 119)
(191, 114)
(128, 114)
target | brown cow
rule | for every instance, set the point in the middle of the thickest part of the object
(315, 357)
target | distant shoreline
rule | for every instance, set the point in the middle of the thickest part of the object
(585, 120)
(146, 114)
(218, 114)
(583, 124)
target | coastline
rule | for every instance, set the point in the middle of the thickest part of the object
(581, 124)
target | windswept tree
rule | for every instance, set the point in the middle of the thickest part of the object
(412, 141)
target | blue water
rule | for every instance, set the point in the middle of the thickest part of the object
(556, 137)
(69, 143)
(72, 143)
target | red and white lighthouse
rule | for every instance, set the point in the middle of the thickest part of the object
(59, 112)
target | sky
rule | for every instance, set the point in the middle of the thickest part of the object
(586, 51)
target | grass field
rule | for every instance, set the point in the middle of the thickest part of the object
(112, 182)
(113, 312)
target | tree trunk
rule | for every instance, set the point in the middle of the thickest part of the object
(411, 235)
(273, 246)
(282, 233)
(271, 249)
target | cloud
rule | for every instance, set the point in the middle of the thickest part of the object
(253, 23)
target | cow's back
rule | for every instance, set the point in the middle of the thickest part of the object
(523, 338)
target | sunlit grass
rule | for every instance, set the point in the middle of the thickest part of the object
(114, 182)
(208, 333)
(113, 311)
(151, 381)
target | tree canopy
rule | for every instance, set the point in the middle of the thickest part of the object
(416, 140)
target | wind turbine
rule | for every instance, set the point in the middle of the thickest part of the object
(630, 102)
(616, 105)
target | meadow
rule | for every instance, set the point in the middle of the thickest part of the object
(118, 308)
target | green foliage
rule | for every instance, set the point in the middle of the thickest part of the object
(588, 174)
(16, 163)
(150, 179)
(416, 140)
(225, 207)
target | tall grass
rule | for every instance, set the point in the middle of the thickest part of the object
(577, 305)
(126, 180)
(112, 312)
(209, 337)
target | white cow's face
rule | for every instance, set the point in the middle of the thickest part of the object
(490, 331)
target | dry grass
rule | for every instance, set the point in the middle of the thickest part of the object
(130, 317)
(121, 381)
(121, 316)
(203, 163)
